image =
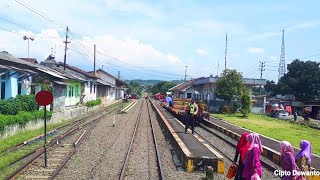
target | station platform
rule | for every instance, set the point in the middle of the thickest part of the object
(193, 152)
(271, 146)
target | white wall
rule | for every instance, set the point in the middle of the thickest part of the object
(90, 96)
(111, 94)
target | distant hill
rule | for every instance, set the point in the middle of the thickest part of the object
(148, 82)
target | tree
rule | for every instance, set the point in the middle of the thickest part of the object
(270, 87)
(162, 87)
(245, 103)
(302, 80)
(229, 86)
(134, 87)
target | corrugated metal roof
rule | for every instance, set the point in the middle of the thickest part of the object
(104, 83)
(47, 71)
(60, 82)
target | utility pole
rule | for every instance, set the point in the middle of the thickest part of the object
(119, 75)
(185, 74)
(225, 53)
(102, 67)
(261, 69)
(94, 59)
(65, 49)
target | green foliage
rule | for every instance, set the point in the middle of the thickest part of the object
(162, 87)
(229, 86)
(8, 107)
(225, 109)
(302, 80)
(22, 118)
(235, 106)
(270, 87)
(134, 87)
(93, 103)
(20, 103)
(245, 104)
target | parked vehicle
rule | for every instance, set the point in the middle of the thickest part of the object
(134, 96)
(281, 114)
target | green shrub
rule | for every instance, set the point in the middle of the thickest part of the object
(245, 104)
(26, 102)
(225, 109)
(93, 103)
(235, 107)
(8, 107)
(22, 117)
(20, 103)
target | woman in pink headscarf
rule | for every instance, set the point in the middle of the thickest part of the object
(287, 160)
(252, 165)
(303, 158)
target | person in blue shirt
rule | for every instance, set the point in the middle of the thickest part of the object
(169, 100)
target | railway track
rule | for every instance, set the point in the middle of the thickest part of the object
(233, 145)
(228, 145)
(125, 169)
(60, 149)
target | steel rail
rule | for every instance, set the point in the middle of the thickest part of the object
(54, 141)
(161, 173)
(124, 166)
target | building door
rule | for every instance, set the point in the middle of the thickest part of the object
(3, 90)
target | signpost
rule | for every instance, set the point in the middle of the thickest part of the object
(44, 98)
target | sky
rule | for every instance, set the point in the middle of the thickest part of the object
(158, 39)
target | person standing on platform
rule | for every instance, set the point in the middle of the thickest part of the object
(191, 117)
(252, 165)
(242, 148)
(303, 158)
(295, 115)
(287, 161)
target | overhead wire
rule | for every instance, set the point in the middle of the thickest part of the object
(57, 21)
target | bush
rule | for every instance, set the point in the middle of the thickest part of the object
(8, 107)
(225, 109)
(93, 103)
(235, 107)
(20, 103)
(245, 104)
(22, 117)
(26, 102)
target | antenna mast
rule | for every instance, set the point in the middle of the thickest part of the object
(282, 64)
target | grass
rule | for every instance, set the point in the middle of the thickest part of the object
(276, 129)
(8, 157)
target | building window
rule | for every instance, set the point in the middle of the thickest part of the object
(90, 87)
(72, 91)
(19, 88)
(3, 90)
(77, 90)
(188, 95)
(33, 89)
(69, 91)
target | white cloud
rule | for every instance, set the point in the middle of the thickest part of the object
(304, 25)
(264, 35)
(255, 50)
(296, 27)
(201, 52)
(127, 53)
